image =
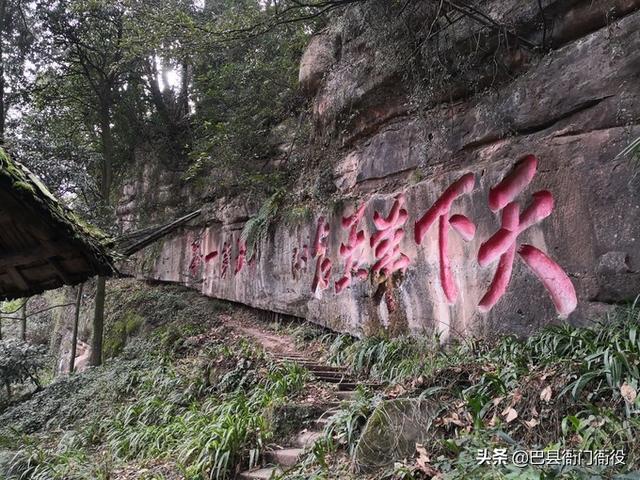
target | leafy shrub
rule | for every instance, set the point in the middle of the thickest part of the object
(21, 362)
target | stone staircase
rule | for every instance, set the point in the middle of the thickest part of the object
(279, 460)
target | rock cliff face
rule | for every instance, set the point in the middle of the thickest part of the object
(482, 213)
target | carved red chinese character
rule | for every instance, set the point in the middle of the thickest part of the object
(196, 257)
(323, 264)
(226, 257)
(320, 238)
(322, 275)
(352, 250)
(211, 256)
(299, 260)
(242, 254)
(503, 244)
(441, 211)
(386, 240)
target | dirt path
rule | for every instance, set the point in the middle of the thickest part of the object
(326, 388)
(271, 341)
(82, 357)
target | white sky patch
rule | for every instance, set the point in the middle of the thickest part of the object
(172, 77)
(167, 75)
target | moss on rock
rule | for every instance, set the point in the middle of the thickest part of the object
(392, 431)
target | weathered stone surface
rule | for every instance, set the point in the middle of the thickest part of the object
(366, 88)
(556, 98)
(392, 431)
(595, 214)
(153, 193)
(316, 61)
(575, 108)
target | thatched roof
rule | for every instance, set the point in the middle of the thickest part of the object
(43, 244)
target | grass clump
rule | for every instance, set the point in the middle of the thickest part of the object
(203, 431)
(386, 359)
(564, 388)
(207, 438)
(188, 400)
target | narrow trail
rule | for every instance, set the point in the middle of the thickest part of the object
(272, 342)
(82, 356)
(282, 347)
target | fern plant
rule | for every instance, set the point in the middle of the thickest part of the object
(256, 228)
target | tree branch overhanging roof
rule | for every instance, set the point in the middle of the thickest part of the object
(43, 244)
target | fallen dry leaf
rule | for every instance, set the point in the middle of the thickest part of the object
(423, 457)
(396, 391)
(423, 462)
(510, 414)
(628, 393)
(454, 418)
(545, 395)
(516, 396)
(532, 423)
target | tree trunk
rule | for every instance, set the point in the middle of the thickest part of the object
(106, 137)
(23, 323)
(157, 96)
(76, 320)
(98, 323)
(3, 24)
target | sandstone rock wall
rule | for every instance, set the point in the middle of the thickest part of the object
(574, 108)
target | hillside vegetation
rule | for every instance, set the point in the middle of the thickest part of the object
(189, 397)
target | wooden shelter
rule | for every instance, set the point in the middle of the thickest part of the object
(43, 244)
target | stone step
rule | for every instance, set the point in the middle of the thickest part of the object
(307, 438)
(322, 422)
(286, 457)
(300, 361)
(348, 386)
(321, 370)
(330, 374)
(329, 377)
(325, 368)
(346, 394)
(260, 474)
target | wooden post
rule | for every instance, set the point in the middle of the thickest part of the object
(23, 329)
(98, 323)
(74, 340)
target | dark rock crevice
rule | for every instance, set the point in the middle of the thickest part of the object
(581, 107)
